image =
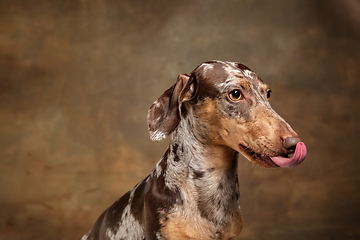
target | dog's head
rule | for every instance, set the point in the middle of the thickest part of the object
(228, 105)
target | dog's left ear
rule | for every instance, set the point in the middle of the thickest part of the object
(165, 113)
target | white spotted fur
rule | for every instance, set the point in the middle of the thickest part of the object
(128, 227)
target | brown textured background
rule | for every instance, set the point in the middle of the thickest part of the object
(77, 79)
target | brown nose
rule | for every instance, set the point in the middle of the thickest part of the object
(289, 143)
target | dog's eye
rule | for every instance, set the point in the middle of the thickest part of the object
(235, 95)
(268, 94)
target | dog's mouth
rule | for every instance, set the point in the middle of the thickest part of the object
(286, 161)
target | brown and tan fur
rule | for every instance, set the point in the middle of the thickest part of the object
(193, 192)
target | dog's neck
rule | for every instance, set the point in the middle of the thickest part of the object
(199, 155)
(208, 172)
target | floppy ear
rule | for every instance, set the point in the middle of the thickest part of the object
(165, 113)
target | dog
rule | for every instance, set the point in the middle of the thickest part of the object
(219, 110)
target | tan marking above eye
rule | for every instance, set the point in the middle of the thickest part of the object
(235, 95)
(245, 85)
(264, 87)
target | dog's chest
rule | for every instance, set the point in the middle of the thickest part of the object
(180, 225)
(203, 215)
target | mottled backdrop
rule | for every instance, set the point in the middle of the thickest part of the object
(78, 76)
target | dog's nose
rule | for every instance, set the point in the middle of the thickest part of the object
(289, 143)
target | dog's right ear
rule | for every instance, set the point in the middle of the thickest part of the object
(165, 113)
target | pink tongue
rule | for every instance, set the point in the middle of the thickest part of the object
(296, 159)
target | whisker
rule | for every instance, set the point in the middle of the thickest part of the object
(216, 137)
(203, 111)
